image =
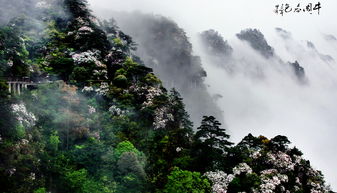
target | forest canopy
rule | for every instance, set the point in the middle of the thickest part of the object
(97, 119)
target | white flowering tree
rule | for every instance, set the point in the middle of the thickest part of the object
(262, 165)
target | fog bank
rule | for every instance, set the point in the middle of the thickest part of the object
(275, 103)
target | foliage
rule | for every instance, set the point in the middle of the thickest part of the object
(212, 140)
(263, 165)
(185, 181)
(54, 141)
(13, 54)
(124, 147)
(100, 121)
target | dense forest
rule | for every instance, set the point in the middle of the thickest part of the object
(97, 119)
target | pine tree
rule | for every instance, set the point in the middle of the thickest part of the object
(211, 135)
(77, 8)
(211, 145)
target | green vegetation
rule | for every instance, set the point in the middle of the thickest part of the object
(101, 122)
(181, 181)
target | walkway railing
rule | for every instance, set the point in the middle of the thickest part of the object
(16, 87)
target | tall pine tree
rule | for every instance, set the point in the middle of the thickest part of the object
(211, 145)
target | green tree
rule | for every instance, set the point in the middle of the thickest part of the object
(211, 144)
(13, 53)
(183, 181)
(244, 183)
(212, 135)
(40, 190)
(80, 181)
(126, 146)
(280, 143)
(131, 174)
(54, 141)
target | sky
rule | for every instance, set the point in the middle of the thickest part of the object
(277, 105)
(229, 15)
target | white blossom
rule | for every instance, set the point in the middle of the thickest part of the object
(81, 21)
(152, 93)
(11, 171)
(162, 117)
(87, 89)
(220, 180)
(170, 117)
(24, 117)
(70, 33)
(91, 109)
(86, 29)
(87, 57)
(269, 172)
(281, 160)
(296, 188)
(101, 73)
(242, 168)
(271, 178)
(83, 30)
(255, 154)
(103, 89)
(32, 176)
(117, 111)
(10, 63)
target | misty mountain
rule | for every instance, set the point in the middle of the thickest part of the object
(16, 8)
(287, 35)
(324, 57)
(299, 70)
(330, 38)
(259, 94)
(218, 50)
(164, 46)
(283, 33)
(220, 53)
(80, 112)
(256, 39)
(217, 46)
(37, 10)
